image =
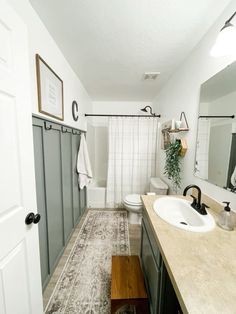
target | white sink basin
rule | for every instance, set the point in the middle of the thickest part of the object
(179, 213)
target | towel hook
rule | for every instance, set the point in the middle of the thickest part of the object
(47, 127)
(64, 130)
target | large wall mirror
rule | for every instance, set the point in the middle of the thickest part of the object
(215, 159)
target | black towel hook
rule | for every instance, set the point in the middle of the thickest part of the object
(47, 127)
(64, 130)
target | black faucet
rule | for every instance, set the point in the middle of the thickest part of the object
(196, 204)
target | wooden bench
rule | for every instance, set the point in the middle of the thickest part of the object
(127, 284)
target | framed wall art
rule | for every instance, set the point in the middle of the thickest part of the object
(50, 90)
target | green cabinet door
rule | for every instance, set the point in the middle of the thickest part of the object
(162, 297)
(151, 272)
(155, 249)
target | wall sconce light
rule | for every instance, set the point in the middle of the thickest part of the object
(225, 44)
(145, 109)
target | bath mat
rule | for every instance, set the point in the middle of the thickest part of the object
(85, 283)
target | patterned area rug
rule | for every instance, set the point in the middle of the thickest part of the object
(85, 283)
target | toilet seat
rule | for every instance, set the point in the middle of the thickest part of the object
(133, 200)
(133, 208)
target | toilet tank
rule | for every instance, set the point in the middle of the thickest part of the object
(158, 186)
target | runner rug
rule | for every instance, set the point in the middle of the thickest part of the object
(85, 283)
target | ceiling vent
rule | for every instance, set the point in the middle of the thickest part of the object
(150, 76)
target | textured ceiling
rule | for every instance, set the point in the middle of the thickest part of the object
(111, 43)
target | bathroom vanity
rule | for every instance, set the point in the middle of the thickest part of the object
(187, 272)
(162, 298)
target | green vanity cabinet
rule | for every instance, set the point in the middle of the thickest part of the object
(162, 298)
(151, 271)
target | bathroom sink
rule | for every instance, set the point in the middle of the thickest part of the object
(179, 213)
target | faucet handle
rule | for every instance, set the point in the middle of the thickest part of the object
(203, 209)
(194, 203)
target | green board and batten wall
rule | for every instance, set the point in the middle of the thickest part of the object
(60, 202)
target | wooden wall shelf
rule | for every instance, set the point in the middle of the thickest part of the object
(178, 130)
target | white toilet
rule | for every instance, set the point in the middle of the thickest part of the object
(133, 203)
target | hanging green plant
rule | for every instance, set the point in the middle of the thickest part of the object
(173, 162)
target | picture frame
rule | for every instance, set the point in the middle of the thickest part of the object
(50, 90)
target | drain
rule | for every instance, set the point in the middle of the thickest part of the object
(183, 223)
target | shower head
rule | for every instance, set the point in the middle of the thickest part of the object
(145, 110)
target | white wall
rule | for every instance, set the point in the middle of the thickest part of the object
(41, 42)
(116, 107)
(181, 93)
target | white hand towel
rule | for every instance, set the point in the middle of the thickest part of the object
(83, 164)
(233, 177)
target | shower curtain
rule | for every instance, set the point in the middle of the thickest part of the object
(131, 157)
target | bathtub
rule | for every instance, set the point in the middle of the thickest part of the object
(96, 194)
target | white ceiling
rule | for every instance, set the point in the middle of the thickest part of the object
(111, 43)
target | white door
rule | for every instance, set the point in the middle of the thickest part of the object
(20, 283)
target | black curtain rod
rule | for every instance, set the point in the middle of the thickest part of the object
(122, 115)
(231, 117)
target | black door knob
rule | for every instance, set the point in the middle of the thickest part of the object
(32, 218)
(29, 218)
(37, 217)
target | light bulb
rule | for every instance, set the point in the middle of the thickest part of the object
(225, 44)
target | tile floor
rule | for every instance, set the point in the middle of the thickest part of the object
(134, 236)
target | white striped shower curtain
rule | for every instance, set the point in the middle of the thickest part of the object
(131, 158)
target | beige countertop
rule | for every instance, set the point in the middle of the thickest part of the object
(201, 266)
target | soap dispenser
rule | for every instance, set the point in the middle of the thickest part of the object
(226, 220)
